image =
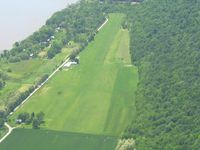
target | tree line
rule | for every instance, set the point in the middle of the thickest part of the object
(165, 46)
(18, 99)
(35, 119)
(3, 78)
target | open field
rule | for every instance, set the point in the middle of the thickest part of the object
(95, 97)
(54, 140)
(23, 74)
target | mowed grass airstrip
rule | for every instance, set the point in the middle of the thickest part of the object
(95, 97)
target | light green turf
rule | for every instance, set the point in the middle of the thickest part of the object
(96, 96)
(54, 140)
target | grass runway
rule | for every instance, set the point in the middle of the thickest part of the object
(95, 97)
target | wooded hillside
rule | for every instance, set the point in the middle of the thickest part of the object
(165, 45)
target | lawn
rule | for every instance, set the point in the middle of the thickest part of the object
(54, 140)
(97, 96)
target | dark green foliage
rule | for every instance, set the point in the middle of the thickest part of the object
(14, 59)
(36, 124)
(24, 56)
(74, 54)
(37, 120)
(2, 84)
(9, 70)
(51, 53)
(3, 78)
(3, 75)
(42, 79)
(27, 118)
(32, 115)
(1, 123)
(165, 44)
(24, 117)
(40, 117)
(2, 118)
(56, 47)
(19, 99)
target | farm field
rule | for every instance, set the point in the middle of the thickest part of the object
(54, 140)
(25, 73)
(95, 97)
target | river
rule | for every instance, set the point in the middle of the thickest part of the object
(20, 18)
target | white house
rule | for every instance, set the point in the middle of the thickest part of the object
(19, 121)
(70, 63)
(135, 3)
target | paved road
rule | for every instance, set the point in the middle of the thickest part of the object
(102, 24)
(8, 133)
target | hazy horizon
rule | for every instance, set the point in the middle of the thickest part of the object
(21, 18)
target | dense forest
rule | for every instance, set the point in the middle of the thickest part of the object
(165, 46)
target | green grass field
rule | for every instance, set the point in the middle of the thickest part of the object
(95, 97)
(27, 139)
(27, 72)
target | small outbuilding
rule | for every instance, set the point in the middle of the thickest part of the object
(135, 3)
(19, 121)
(31, 55)
(69, 64)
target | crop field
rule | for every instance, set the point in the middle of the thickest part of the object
(54, 140)
(95, 97)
